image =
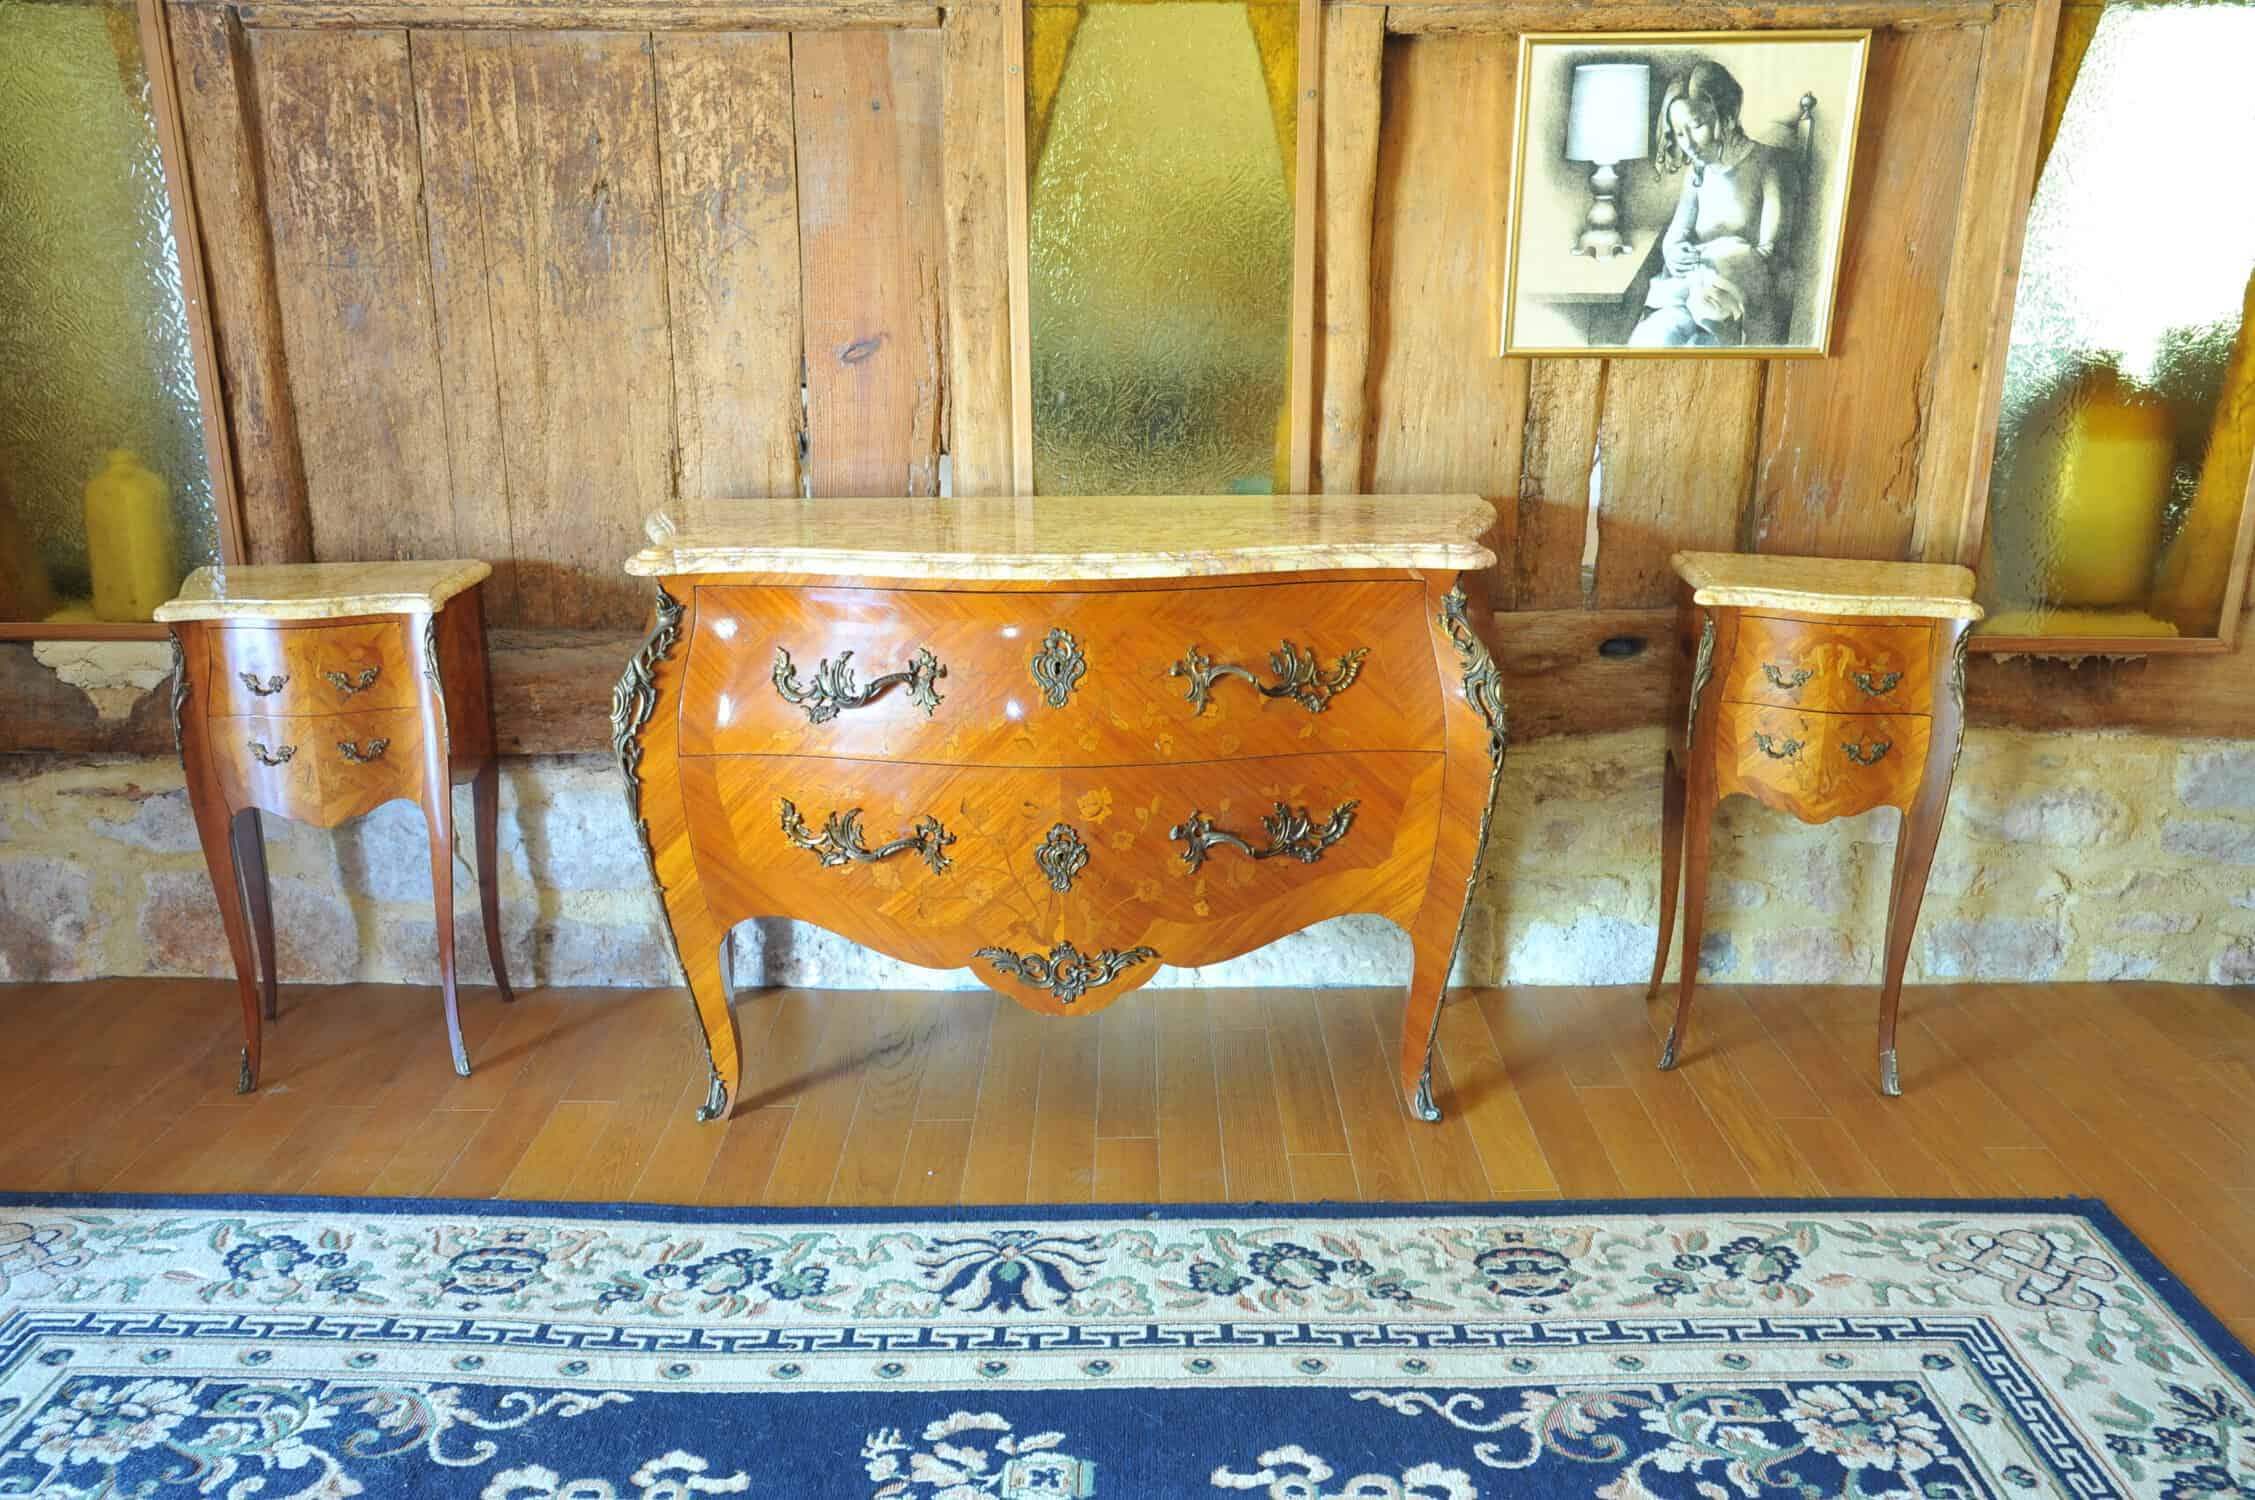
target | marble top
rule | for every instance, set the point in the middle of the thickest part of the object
(1829, 585)
(1063, 537)
(319, 591)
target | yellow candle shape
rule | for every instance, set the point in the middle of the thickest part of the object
(2197, 569)
(129, 539)
(2102, 493)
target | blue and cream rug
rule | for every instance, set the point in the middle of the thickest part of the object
(273, 1348)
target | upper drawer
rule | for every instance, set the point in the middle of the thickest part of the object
(322, 669)
(1130, 676)
(1830, 667)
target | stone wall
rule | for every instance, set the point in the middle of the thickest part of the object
(2065, 857)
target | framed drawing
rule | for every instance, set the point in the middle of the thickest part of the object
(1680, 193)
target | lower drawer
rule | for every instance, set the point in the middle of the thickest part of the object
(321, 770)
(931, 864)
(1818, 766)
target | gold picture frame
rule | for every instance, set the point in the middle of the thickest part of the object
(1604, 257)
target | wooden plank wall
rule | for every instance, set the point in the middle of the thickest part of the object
(495, 277)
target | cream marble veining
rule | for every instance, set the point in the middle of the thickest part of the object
(1829, 585)
(1065, 537)
(320, 591)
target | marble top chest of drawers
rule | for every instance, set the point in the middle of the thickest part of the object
(1063, 741)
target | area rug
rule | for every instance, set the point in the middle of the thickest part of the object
(273, 1347)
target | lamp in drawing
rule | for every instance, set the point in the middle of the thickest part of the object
(1608, 121)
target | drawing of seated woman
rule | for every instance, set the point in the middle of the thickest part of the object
(1716, 277)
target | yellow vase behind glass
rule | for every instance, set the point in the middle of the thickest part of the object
(2099, 498)
(129, 542)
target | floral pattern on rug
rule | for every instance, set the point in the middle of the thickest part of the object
(1621, 1352)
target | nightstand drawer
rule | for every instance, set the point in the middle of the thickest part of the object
(1059, 679)
(317, 669)
(1829, 667)
(1819, 766)
(320, 770)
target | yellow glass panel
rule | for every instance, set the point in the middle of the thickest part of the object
(94, 354)
(2129, 390)
(1160, 244)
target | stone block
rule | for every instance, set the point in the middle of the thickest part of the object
(1823, 875)
(386, 856)
(2111, 964)
(1997, 948)
(1727, 894)
(315, 937)
(2217, 780)
(1590, 950)
(577, 836)
(47, 921)
(2235, 965)
(570, 951)
(159, 822)
(1718, 954)
(2057, 817)
(2158, 923)
(2210, 840)
(410, 947)
(1808, 955)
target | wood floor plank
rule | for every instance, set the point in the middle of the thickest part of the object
(1324, 1179)
(1758, 1139)
(1843, 1168)
(1448, 1160)
(1370, 1102)
(551, 1159)
(1252, 1128)
(1190, 1156)
(1633, 1144)
(1308, 1105)
(822, 1107)
(650, 1100)
(1731, 1026)
(957, 1054)
(2037, 1171)
(1063, 1165)
(1485, 1098)
(1879, 1128)
(877, 1141)
(543, 1074)
(745, 1162)
(683, 1155)
(931, 1172)
(1578, 1163)
(1127, 1073)
(427, 1152)
(1002, 1128)
(1127, 1169)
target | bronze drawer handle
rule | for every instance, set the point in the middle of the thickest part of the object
(1064, 970)
(1777, 750)
(351, 685)
(1875, 685)
(1290, 831)
(363, 755)
(1784, 681)
(267, 688)
(840, 841)
(279, 755)
(1869, 753)
(834, 689)
(1297, 676)
(1057, 666)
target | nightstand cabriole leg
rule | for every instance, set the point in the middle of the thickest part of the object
(250, 869)
(1671, 865)
(1699, 827)
(485, 802)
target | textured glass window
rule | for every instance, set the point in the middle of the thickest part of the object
(1160, 150)
(94, 352)
(2129, 392)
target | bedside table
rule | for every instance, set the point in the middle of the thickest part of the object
(1821, 688)
(320, 691)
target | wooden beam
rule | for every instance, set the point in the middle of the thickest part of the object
(1354, 54)
(1953, 484)
(567, 15)
(1460, 17)
(1016, 169)
(974, 155)
(1307, 136)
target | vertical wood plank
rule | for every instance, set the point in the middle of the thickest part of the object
(1444, 415)
(2008, 107)
(1354, 54)
(1190, 1146)
(1299, 416)
(1678, 439)
(548, 257)
(1841, 436)
(1017, 169)
(867, 122)
(220, 116)
(731, 217)
(975, 96)
(1563, 400)
(352, 282)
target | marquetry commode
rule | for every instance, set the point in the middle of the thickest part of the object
(1063, 741)
(1822, 688)
(320, 691)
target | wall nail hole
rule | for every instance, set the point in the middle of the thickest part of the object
(1620, 647)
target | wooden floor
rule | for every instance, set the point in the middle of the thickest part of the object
(2139, 1094)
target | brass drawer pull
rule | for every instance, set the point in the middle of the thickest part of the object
(279, 755)
(1777, 750)
(1057, 666)
(840, 841)
(1290, 831)
(267, 688)
(834, 689)
(1869, 753)
(1297, 676)
(1875, 684)
(1064, 970)
(363, 755)
(1790, 682)
(355, 684)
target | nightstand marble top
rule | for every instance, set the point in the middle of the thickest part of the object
(1065, 537)
(320, 591)
(1829, 585)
